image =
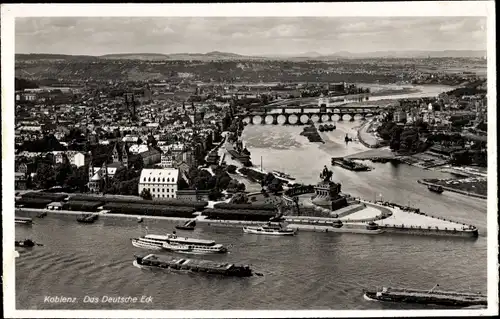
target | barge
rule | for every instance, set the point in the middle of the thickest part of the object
(349, 164)
(445, 298)
(153, 261)
(23, 220)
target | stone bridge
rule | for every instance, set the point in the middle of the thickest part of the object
(323, 115)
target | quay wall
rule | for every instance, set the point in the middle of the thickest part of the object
(430, 232)
(314, 224)
(453, 189)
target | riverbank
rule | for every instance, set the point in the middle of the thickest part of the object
(366, 136)
(416, 224)
(478, 189)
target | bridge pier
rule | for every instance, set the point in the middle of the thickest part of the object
(341, 117)
(352, 117)
(330, 117)
(320, 119)
(263, 119)
(275, 119)
(287, 120)
(250, 120)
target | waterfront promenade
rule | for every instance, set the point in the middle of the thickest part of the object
(366, 137)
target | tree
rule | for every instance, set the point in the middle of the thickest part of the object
(214, 194)
(233, 186)
(45, 176)
(137, 163)
(275, 186)
(146, 194)
(241, 187)
(62, 172)
(268, 179)
(231, 169)
(239, 198)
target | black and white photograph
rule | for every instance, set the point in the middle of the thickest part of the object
(249, 160)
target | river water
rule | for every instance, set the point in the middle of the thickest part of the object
(309, 271)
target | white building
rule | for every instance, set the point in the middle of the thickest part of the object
(79, 159)
(161, 182)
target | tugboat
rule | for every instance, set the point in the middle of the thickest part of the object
(153, 261)
(87, 218)
(269, 229)
(435, 188)
(189, 225)
(446, 298)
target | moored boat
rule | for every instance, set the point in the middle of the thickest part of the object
(269, 229)
(337, 223)
(175, 243)
(283, 175)
(23, 220)
(153, 261)
(436, 188)
(189, 225)
(24, 243)
(87, 218)
(446, 298)
(372, 226)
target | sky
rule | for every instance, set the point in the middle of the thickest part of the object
(247, 35)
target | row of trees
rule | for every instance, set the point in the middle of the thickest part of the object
(48, 175)
(402, 139)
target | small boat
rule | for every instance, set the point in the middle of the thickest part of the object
(41, 215)
(269, 229)
(372, 226)
(87, 218)
(436, 188)
(189, 225)
(446, 298)
(26, 243)
(23, 220)
(139, 220)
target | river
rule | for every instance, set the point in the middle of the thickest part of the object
(310, 271)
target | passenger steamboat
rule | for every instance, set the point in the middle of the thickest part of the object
(283, 175)
(446, 298)
(172, 242)
(153, 261)
(269, 229)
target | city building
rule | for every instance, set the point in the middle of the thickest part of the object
(161, 182)
(399, 116)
